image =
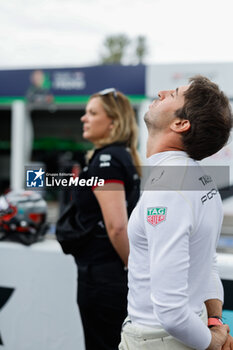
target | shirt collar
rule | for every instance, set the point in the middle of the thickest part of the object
(156, 158)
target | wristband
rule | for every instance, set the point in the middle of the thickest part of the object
(214, 321)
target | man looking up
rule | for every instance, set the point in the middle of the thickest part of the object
(173, 232)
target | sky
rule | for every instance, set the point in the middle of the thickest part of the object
(70, 33)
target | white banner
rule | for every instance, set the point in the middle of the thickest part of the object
(38, 309)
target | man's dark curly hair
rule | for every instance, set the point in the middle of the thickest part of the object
(209, 112)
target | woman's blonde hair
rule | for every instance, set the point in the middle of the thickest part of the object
(125, 130)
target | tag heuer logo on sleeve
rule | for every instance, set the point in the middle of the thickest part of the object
(156, 215)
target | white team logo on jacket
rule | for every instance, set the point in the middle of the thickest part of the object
(156, 215)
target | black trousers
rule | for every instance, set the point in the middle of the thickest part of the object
(102, 301)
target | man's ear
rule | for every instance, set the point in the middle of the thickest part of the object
(180, 125)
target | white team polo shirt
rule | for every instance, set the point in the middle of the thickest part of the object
(173, 235)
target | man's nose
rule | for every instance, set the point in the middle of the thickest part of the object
(162, 94)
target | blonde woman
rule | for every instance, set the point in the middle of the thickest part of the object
(109, 123)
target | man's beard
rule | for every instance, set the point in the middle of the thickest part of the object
(147, 120)
(150, 124)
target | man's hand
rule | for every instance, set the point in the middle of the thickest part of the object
(219, 337)
(229, 343)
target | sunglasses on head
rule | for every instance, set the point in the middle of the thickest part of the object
(109, 91)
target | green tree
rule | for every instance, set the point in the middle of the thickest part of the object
(141, 48)
(115, 47)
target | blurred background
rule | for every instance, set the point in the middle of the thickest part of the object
(53, 55)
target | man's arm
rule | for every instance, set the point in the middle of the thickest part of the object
(168, 247)
(214, 298)
(214, 308)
